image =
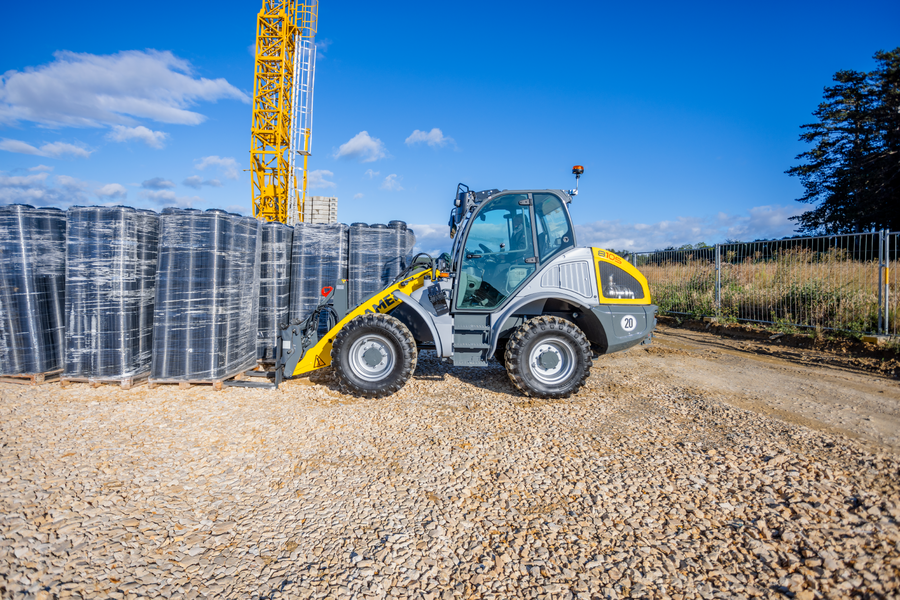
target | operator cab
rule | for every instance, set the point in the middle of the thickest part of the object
(502, 240)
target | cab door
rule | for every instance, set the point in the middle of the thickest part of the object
(498, 254)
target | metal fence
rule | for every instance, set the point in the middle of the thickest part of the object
(836, 282)
(892, 284)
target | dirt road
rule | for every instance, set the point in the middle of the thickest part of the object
(824, 391)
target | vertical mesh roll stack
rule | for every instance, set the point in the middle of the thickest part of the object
(364, 267)
(111, 255)
(207, 297)
(318, 259)
(32, 289)
(378, 254)
(274, 286)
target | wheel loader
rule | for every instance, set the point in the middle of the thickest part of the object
(515, 287)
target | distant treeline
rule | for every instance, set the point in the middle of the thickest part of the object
(857, 247)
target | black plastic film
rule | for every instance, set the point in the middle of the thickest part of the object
(207, 298)
(274, 286)
(32, 289)
(111, 255)
(318, 260)
(378, 254)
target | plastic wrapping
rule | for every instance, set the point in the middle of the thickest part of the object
(274, 286)
(111, 255)
(32, 289)
(318, 260)
(378, 254)
(207, 296)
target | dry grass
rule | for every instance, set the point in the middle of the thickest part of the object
(795, 287)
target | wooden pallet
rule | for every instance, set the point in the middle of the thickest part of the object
(217, 384)
(32, 378)
(126, 383)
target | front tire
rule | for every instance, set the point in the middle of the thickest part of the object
(373, 356)
(548, 357)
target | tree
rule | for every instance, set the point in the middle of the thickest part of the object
(853, 170)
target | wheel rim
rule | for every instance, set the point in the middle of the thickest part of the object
(372, 357)
(552, 362)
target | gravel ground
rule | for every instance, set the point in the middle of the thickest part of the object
(456, 487)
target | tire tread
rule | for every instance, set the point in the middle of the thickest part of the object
(408, 350)
(520, 338)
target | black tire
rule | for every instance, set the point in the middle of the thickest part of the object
(357, 348)
(548, 357)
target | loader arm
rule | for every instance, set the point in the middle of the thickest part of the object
(297, 360)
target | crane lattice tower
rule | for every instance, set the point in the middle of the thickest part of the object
(282, 108)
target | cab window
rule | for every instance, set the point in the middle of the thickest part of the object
(497, 245)
(554, 231)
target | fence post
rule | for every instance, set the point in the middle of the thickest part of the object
(886, 279)
(718, 282)
(881, 305)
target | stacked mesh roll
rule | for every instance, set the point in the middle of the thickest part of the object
(378, 254)
(207, 295)
(32, 289)
(274, 287)
(318, 260)
(111, 255)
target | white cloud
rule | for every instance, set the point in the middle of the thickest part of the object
(760, 222)
(40, 168)
(316, 179)
(154, 139)
(227, 165)
(196, 182)
(112, 191)
(87, 90)
(322, 47)
(372, 174)
(157, 183)
(362, 146)
(357, 196)
(51, 150)
(432, 239)
(37, 190)
(433, 138)
(168, 198)
(22, 180)
(239, 209)
(392, 183)
(72, 184)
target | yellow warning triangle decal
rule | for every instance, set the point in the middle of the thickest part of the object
(320, 362)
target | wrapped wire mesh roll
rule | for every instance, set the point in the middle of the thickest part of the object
(395, 255)
(378, 254)
(363, 255)
(32, 289)
(111, 255)
(207, 297)
(274, 286)
(318, 259)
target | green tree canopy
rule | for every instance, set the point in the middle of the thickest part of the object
(852, 172)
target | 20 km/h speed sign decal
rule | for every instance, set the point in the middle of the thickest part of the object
(629, 323)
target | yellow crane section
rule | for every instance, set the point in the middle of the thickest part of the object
(282, 107)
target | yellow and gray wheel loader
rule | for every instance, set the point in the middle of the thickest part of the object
(516, 287)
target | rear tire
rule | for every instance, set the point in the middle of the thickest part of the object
(373, 356)
(548, 357)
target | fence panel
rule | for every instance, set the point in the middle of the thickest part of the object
(681, 281)
(892, 248)
(825, 282)
(828, 282)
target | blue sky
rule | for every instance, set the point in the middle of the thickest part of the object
(685, 117)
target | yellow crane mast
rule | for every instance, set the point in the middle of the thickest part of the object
(282, 108)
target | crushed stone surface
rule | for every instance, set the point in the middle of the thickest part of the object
(456, 487)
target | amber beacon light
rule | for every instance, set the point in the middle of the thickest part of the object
(577, 171)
